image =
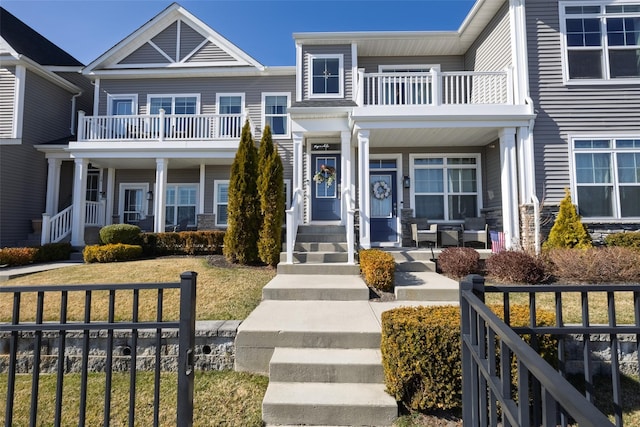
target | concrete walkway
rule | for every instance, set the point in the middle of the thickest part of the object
(7, 273)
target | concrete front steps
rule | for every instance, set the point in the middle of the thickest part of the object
(318, 338)
(319, 248)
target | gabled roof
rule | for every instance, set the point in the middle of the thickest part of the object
(173, 39)
(18, 38)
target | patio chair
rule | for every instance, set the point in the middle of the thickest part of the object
(428, 235)
(182, 225)
(475, 230)
(146, 224)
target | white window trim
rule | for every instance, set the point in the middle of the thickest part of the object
(173, 97)
(221, 94)
(390, 67)
(477, 167)
(615, 183)
(606, 80)
(133, 185)
(216, 183)
(288, 115)
(340, 58)
(133, 97)
(196, 203)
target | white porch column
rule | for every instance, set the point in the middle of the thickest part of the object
(526, 165)
(160, 196)
(297, 179)
(345, 174)
(53, 186)
(364, 196)
(79, 202)
(111, 194)
(201, 193)
(509, 179)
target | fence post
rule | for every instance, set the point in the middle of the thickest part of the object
(186, 342)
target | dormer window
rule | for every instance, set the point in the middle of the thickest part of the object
(327, 79)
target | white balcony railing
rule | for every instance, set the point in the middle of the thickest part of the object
(434, 88)
(160, 127)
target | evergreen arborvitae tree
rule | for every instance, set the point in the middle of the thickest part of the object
(568, 231)
(272, 202)
(243, 208)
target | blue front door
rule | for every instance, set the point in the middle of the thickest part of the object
(384, 207)
(325, 197)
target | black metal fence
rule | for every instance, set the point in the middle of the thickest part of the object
(34, 330)
(538, 395)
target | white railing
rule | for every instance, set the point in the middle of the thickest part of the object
(160, 127)
(294, 215)
(57, 227)
(434, 88)
(94, 214)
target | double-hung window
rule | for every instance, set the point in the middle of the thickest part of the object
(602, 40)
(221, 200)
(175, 107)
(230, 109)
(607, 177)
(181, 204)
(446, 187)
(275, 109)
(327, 76)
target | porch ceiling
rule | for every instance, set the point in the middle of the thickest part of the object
(433, 137)
(150, 163)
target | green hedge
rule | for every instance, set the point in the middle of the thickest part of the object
(183, 243)
(378, 268)
(111, 253)
(627, 240)
(421, 353)
(120, 233)
(46, 253)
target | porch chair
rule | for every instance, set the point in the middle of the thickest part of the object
(475, 229)
(146, 224)
(428, 235)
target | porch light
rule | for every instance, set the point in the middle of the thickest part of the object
(103, 195)
(149, 195)
(406, 181)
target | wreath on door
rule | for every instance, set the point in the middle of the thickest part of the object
(325, 174)
(381, 190)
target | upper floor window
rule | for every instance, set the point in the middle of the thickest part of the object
(602, 40)
(607, 177)
(174, 104)
(275, 109)
(230, 109)
(327, 79)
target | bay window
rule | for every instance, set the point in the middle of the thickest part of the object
(607, 177)
(446, 188)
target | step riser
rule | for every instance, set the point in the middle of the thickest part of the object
(338, 269)
(315, 373)
(416, 266)
(404, 256)
(321, 238)
(316, 257)
(409, 294)
(345, 415)
(318, 247)
(336, 294)
(322, 229)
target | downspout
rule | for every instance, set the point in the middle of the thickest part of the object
(534, 197)
(73, 113)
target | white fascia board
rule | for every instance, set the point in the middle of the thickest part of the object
(51, 76)
(355, 36)
(124, 149)
(5, 46)
(57, 151)
(64, 68)
(132, 73)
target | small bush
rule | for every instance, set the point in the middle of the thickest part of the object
(111, 253)
(421, 353)
(596, 265)
(120, 233)
(568, 231)
(54, 252)
(516, 267)
(183, 243)
(459, 262)
(626, 240)
(18, 256)
(378, 268)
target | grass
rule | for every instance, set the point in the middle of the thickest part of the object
(220, 399)
(222, 293)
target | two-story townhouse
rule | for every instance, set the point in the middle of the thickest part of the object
(169, 103)
(40, 89)
(417, 125)
(584, 66)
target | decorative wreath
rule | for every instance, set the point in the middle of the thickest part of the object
(325, 174)
(381, 190)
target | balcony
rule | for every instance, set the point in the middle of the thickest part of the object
(160, 127)
(435, 88)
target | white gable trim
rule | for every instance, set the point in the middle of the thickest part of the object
(144, 34)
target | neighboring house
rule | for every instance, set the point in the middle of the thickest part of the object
(40, 88)
(493, 120)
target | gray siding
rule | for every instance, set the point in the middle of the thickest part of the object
(492, 49)
(447, 63)
(213, 173)
(85, 101)
(146, 54)
(491, 170)
(189, 39)
(210, 53)
(47, 110)
(7, 92)
(167, 40)
(564, 110)
(344, 49)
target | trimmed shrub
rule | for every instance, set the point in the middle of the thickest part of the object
(626, 240)
(272, 201)
(54, 252)
(516, 267)
(568, 231)
(243, 207)
(421, 353)
(459, 262)
(183, 243)
(378, 268)
(596, 265)
(120, 233)
(111, 253)
(18, 256)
